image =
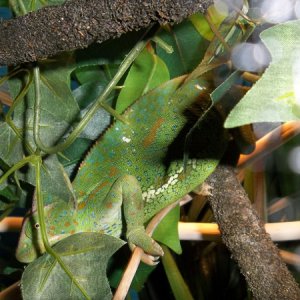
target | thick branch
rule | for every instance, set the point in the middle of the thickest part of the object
(78, 23)
(245, 236)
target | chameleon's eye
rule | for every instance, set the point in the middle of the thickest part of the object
(29, 229)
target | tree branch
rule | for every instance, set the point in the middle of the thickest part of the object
(244, 235)
(78, 23)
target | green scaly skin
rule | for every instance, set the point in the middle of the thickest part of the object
(136, 166)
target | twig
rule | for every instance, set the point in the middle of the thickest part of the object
(134, 262)
(5, 98)
(11, 224)
(290, 258)
(281, 231)
(270, 142)
(12, 292)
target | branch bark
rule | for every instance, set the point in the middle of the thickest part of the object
(244, 235)
(78, 23)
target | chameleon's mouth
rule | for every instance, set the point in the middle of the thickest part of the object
(26, 252)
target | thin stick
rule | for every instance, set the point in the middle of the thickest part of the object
(279, 232)
(270, 142)
(5, 98)
(134, 262)
(290, 257)
(11, 292)
(11, 224)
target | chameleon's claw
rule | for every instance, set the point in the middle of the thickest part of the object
(150, 260)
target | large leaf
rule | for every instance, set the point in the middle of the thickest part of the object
(167, 230)
(58, 106)
(11, 148)
(58, 112)
(3, 3)
(202, 26)
(109, 53)
(86, 255)
(276, 96)
(147, 72)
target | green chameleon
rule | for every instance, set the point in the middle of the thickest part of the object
(135, 169)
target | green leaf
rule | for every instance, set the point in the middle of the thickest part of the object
(188, 45)
(86, 255)
(117, 267)
(58, 106)
(177, 283)
(32, 5)
(101, 74)
(275, 97)
(73, 155)
(109, 53)
(3, 3)
(147, 72)
(11, 148)
(201, 25)
(167, 230)
(85, 95)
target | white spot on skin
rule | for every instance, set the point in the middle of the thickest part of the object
(199, 87)
(174, 181)
(151, 192)
(126, 140)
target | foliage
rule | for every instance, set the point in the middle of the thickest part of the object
(274, 98)
(79, 252)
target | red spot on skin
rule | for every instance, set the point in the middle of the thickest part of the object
(52, 228)
(81, 205)
(72, 231)
(67, 224)
(150, 138)
(102, 185)
(109, 205)
(113, 171)
(75, 222)
(81, 193)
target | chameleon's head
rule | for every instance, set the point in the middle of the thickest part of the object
(30, 244)
(59, 224)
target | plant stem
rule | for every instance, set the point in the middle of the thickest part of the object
(41, 216)
(100, 102)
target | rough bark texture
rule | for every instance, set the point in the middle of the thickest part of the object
(78, 23)
(245, 236)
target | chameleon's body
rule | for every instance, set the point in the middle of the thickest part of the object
(134, 164)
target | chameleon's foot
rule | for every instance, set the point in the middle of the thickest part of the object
(138, 237)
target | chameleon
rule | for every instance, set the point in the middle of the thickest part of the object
(134, 170)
